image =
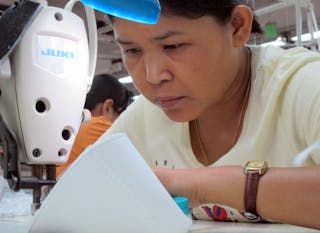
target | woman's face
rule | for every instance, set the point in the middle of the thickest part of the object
(183, 66)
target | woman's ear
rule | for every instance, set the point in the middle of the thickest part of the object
(108, 110)
(241, 21)
(107, 107)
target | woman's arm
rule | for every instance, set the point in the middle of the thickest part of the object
(286, 195)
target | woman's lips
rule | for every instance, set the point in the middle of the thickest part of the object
(169, 102)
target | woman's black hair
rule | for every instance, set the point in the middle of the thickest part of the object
(106, 86)
(219, 9)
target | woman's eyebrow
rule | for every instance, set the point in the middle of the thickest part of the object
(124, 42)
(167, 35)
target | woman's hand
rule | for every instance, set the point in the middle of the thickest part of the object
(181, 182)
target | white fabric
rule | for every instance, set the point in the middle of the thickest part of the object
(96, 195)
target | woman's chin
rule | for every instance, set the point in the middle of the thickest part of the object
(177, 116)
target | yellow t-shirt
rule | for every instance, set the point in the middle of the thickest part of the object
(88, 133)
(282, 117)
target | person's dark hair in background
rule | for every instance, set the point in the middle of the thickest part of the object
(106, 86)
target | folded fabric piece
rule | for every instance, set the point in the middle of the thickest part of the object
(110, 188)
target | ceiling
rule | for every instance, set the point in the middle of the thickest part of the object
(109, 57)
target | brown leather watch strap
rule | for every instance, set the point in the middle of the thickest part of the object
(251, 190)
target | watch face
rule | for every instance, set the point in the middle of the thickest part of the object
(256, 164)
(260, 166)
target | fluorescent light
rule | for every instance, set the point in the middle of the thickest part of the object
(126, 79)
(306, 37)
(277, 42)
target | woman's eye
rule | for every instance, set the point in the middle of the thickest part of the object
(132, 51)
(172, 46)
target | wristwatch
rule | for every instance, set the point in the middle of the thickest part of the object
(253, 171)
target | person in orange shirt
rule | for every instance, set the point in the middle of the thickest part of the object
(106, 100)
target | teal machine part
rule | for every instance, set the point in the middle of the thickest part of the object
(183, 203)
(143, 11)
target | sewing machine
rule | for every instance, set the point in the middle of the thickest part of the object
(47, 62)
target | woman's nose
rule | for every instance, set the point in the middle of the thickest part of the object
(157, 70)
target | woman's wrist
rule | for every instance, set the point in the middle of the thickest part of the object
(226, 185)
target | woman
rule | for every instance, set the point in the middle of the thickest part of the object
(210, 104)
